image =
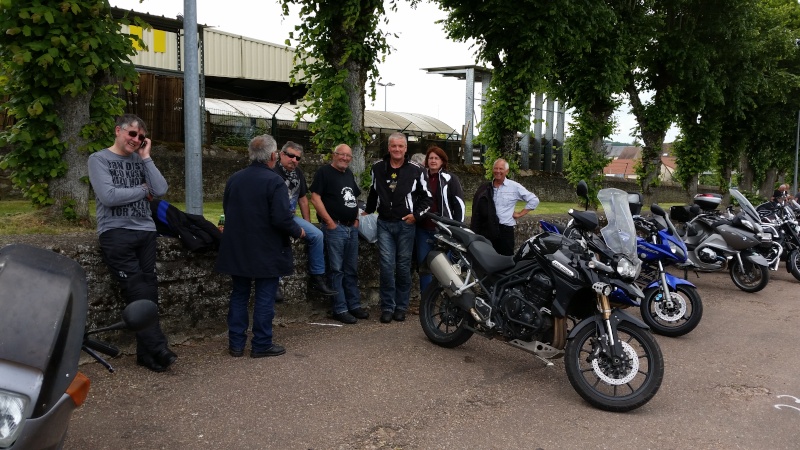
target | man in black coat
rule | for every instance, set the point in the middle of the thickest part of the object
(256, 247)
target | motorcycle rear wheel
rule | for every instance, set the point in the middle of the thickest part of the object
(750, 278)
(793, 263)
(682, 318)
(620, 388)
(443, 322)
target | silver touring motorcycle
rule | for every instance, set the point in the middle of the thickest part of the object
(551, 299)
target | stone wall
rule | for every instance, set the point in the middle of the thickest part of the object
(194, 299)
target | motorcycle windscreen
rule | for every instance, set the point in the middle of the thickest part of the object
(620, 233)
(746, 206)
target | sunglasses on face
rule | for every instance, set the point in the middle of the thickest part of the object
(133, 134)
(289, 155)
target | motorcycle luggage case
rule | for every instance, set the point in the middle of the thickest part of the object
(635, 202)
(707, 202)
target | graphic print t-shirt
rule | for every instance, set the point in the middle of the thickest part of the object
(295, 182)
(339, 192)
(117, 181)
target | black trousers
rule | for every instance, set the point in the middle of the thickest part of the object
(131, 259)
(504, 244)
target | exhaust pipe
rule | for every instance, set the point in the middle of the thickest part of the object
(441, 268)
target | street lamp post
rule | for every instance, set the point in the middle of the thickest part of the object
(385, 85)
(796, 148)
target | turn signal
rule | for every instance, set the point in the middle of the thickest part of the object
(79, 389)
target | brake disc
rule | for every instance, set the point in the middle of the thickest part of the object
(632, 365)
(671, 314)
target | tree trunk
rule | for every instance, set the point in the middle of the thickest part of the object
(652, 136)
(355, 87)
(768, 186)
(72, 189)
(747, 174)
(692, 187)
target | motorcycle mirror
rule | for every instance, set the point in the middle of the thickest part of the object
(583, 191)
(657, 210)
(140, 314)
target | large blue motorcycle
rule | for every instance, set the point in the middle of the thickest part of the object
(671, 306)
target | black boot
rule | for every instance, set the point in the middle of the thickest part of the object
(319, 284)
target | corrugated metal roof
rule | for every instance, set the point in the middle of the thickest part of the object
(373, 120)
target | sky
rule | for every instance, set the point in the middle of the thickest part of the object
(421, 43)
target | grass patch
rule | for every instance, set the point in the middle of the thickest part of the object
(20, 217)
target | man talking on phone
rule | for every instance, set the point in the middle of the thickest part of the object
(124, 178)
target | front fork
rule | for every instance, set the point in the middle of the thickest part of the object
(666, 296)
(610, 346)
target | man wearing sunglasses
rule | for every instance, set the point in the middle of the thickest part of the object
(124, 178)
(288, 168)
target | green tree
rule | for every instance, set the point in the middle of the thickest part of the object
(339, 45)
(62, 64)
(523, 41)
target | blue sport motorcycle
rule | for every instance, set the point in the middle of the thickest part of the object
(671, 306)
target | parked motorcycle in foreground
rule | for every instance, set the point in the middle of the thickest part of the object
(551, 299)
(43, 298)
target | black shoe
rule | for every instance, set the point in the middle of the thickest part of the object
(360, 313)
(275, 350)
(149, 362)
(279, 296)
(386, 317)
(236, 353)
(345, 317)
(319, 284)
(399, 316)
(165, 357)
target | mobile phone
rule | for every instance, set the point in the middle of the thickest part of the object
(144, 142)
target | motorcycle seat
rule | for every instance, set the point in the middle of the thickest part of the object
(467, 237)
(488, 259)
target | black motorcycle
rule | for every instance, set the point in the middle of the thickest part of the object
(551, 299)
(780, 219)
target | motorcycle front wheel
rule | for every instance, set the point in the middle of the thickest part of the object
(617, 386)
(749, 276)
(677, 319)
(793, 263)
(443, 322)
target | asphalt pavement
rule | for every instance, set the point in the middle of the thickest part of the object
(731, 383)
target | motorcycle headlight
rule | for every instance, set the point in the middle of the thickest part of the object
(627, 269)
(676, 250)
(12, 416)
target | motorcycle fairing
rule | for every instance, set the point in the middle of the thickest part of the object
(44, 301)
(755, 258)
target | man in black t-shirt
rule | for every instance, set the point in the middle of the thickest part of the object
(334, 194)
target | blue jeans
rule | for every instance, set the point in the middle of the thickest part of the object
(424, 245)
(342, 246)
(314, 239)
(263, 313)
(395, 244)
